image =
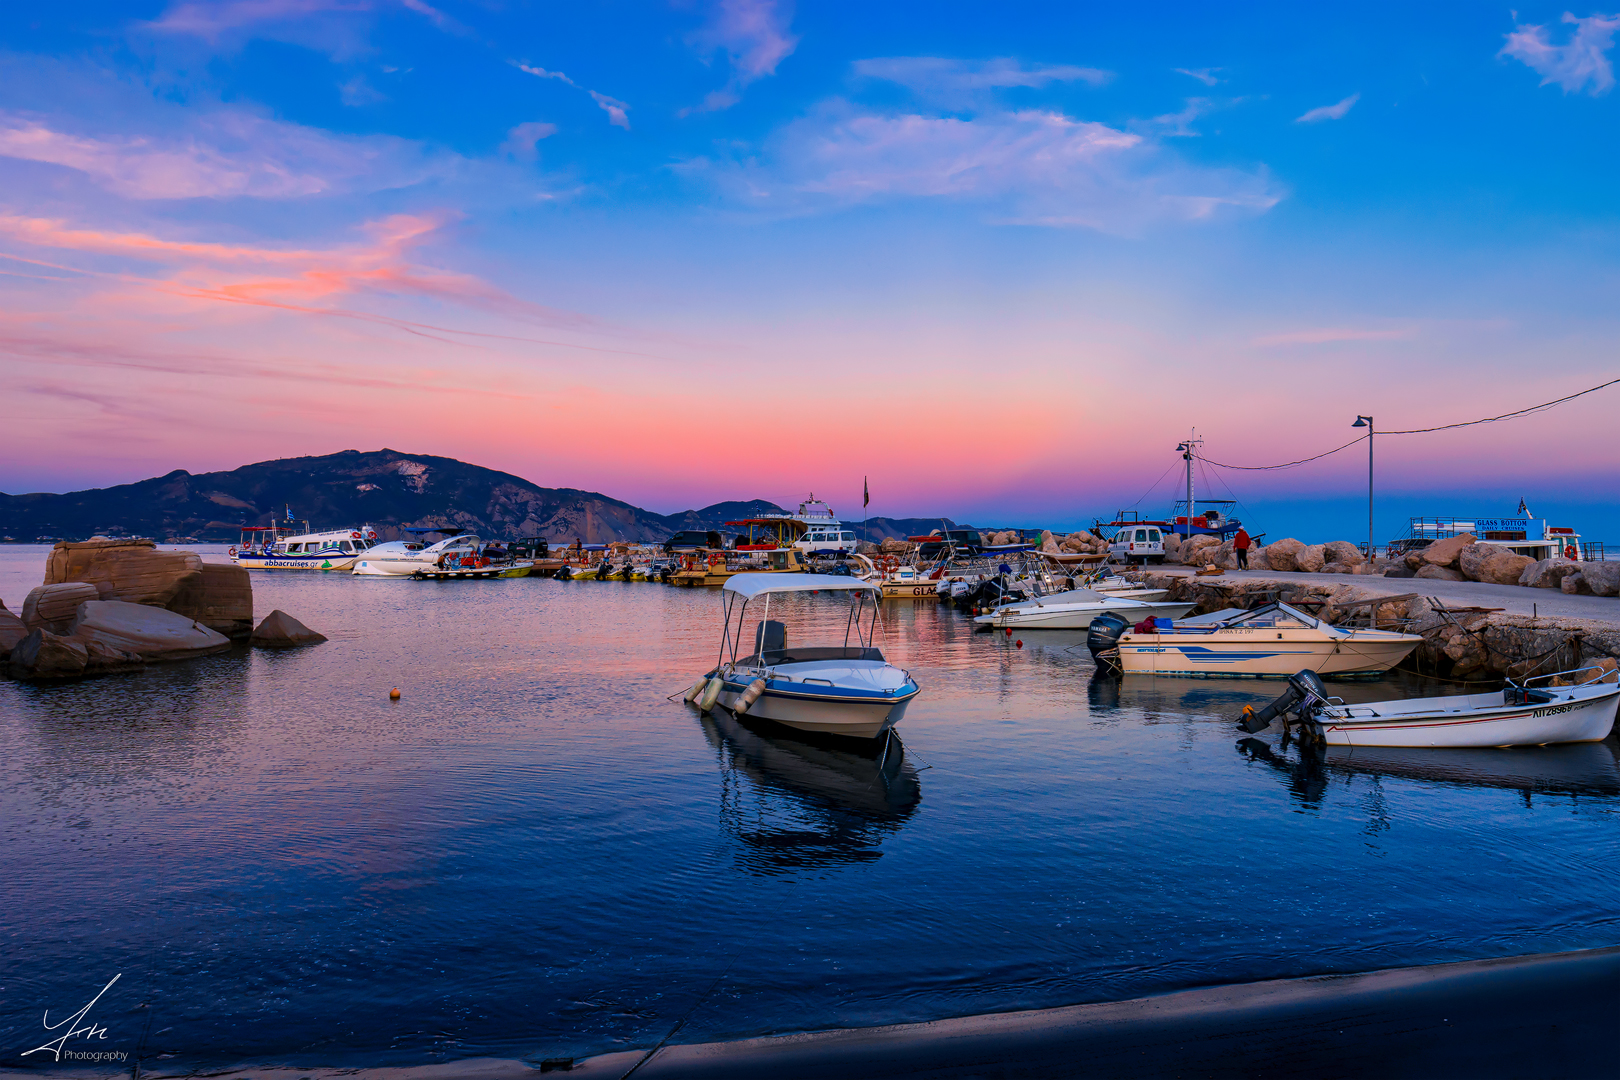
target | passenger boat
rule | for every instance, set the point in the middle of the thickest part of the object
(714, 568)
(848, 690)
(1275, 640)
(265, 548)
(1522, 714)
(1522, 534)
(898, 581)
(1075, 610)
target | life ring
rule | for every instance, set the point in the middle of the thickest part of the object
(1571, 554)
(354, 536)
(889, 562)
(233, 553)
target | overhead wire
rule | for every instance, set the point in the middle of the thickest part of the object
(1419, 431)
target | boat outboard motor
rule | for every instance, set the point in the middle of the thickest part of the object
(1305, 691)
(1105, 633)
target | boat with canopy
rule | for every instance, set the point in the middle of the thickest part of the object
(846, 690)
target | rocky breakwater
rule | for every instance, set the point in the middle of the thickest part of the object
(110, 606)
(1458, 642)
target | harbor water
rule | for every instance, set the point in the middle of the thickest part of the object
(536, 852)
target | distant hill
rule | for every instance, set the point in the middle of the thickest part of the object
(385, 488)
(879, 529)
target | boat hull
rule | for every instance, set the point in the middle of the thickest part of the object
(1582, 720)
(920, 589)
(1251, 655)
(1029, 617)
(855, 717)
(295, 562)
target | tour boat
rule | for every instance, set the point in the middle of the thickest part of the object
(1522, 714)
(337, 549)
(1275, 640)
(845, 690)
(1075, 609)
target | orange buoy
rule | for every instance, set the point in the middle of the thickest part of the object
(393, 695)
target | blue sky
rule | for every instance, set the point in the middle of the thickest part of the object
(1001, 257)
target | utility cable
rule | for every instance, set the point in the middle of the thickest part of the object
(1420, 431)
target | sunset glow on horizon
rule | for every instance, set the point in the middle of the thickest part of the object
(691, 252)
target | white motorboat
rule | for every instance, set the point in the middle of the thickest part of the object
(1519, 715)
(1075, 609)
(335, 549)
(1275, 640)
(404, 558)
(847, 690)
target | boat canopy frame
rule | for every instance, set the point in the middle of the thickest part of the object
(749, 587)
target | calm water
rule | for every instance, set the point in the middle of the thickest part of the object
(533, 852)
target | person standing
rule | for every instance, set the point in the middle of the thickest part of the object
(1240, 547)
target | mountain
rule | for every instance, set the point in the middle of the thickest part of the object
(385, 488)
(879, 529)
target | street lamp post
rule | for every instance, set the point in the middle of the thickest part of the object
(1367, 422)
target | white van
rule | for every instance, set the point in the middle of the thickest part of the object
(1138, 543)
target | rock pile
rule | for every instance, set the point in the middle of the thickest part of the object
(216, 595)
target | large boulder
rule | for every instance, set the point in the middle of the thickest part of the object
(12, 631)
(1172, 543)
(280, 630)
(1193, 545)
(103, 659)
(1049, 544)
(1543, 574)
(152, 633)
(52, 607)
(1472, 559)
(1438, 573)
(44, 655)
(1603, 578)
(1343, 551)
(1260, 558)
(1311, 558)
(1575, 584)
(891, 546)
(1339, 568)
(1504, 569)
(1446, 552)
(1082, 542)
(220, 597)
(132, 570)
(1284, 554)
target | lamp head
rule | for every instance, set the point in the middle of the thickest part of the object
(1361, 421)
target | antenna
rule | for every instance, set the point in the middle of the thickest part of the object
(1189, 454)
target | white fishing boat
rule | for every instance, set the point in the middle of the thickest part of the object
(1519, 715)
(1075, 610)
(847, 690)
(335, 549)
(1275, 640)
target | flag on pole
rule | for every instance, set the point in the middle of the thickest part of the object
(866, 494)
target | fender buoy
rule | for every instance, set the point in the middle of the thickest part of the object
(746, 699)
(697, 688)
(711, 694)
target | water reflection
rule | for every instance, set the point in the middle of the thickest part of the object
(799, 803)
(1574, 769)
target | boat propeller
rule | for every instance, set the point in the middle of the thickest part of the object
(1304, 694)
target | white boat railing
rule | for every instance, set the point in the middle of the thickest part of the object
(1600, 674)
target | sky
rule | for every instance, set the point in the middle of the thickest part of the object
(997, 259)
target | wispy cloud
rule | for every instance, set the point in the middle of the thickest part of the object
(330, 25)
(1203, 75)
(227, 154)
(1180, 123)
(1333, 335)
(521, 140)
(950, 81)
(1028, 167)
(616, 109)
(754, 35)
(357, 93)
(1329, 112)
(1580, 63)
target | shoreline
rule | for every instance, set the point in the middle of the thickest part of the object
(1535, 1015)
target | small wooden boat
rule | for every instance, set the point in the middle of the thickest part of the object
(1519, 715)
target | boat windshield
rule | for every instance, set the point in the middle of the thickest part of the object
(810, 654)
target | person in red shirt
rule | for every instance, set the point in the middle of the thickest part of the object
(1240, 546)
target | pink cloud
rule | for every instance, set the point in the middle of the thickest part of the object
(1580, 62)
(228, 154)
(754, 36)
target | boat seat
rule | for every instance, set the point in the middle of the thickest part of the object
(769, 636)
(1518, 695)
